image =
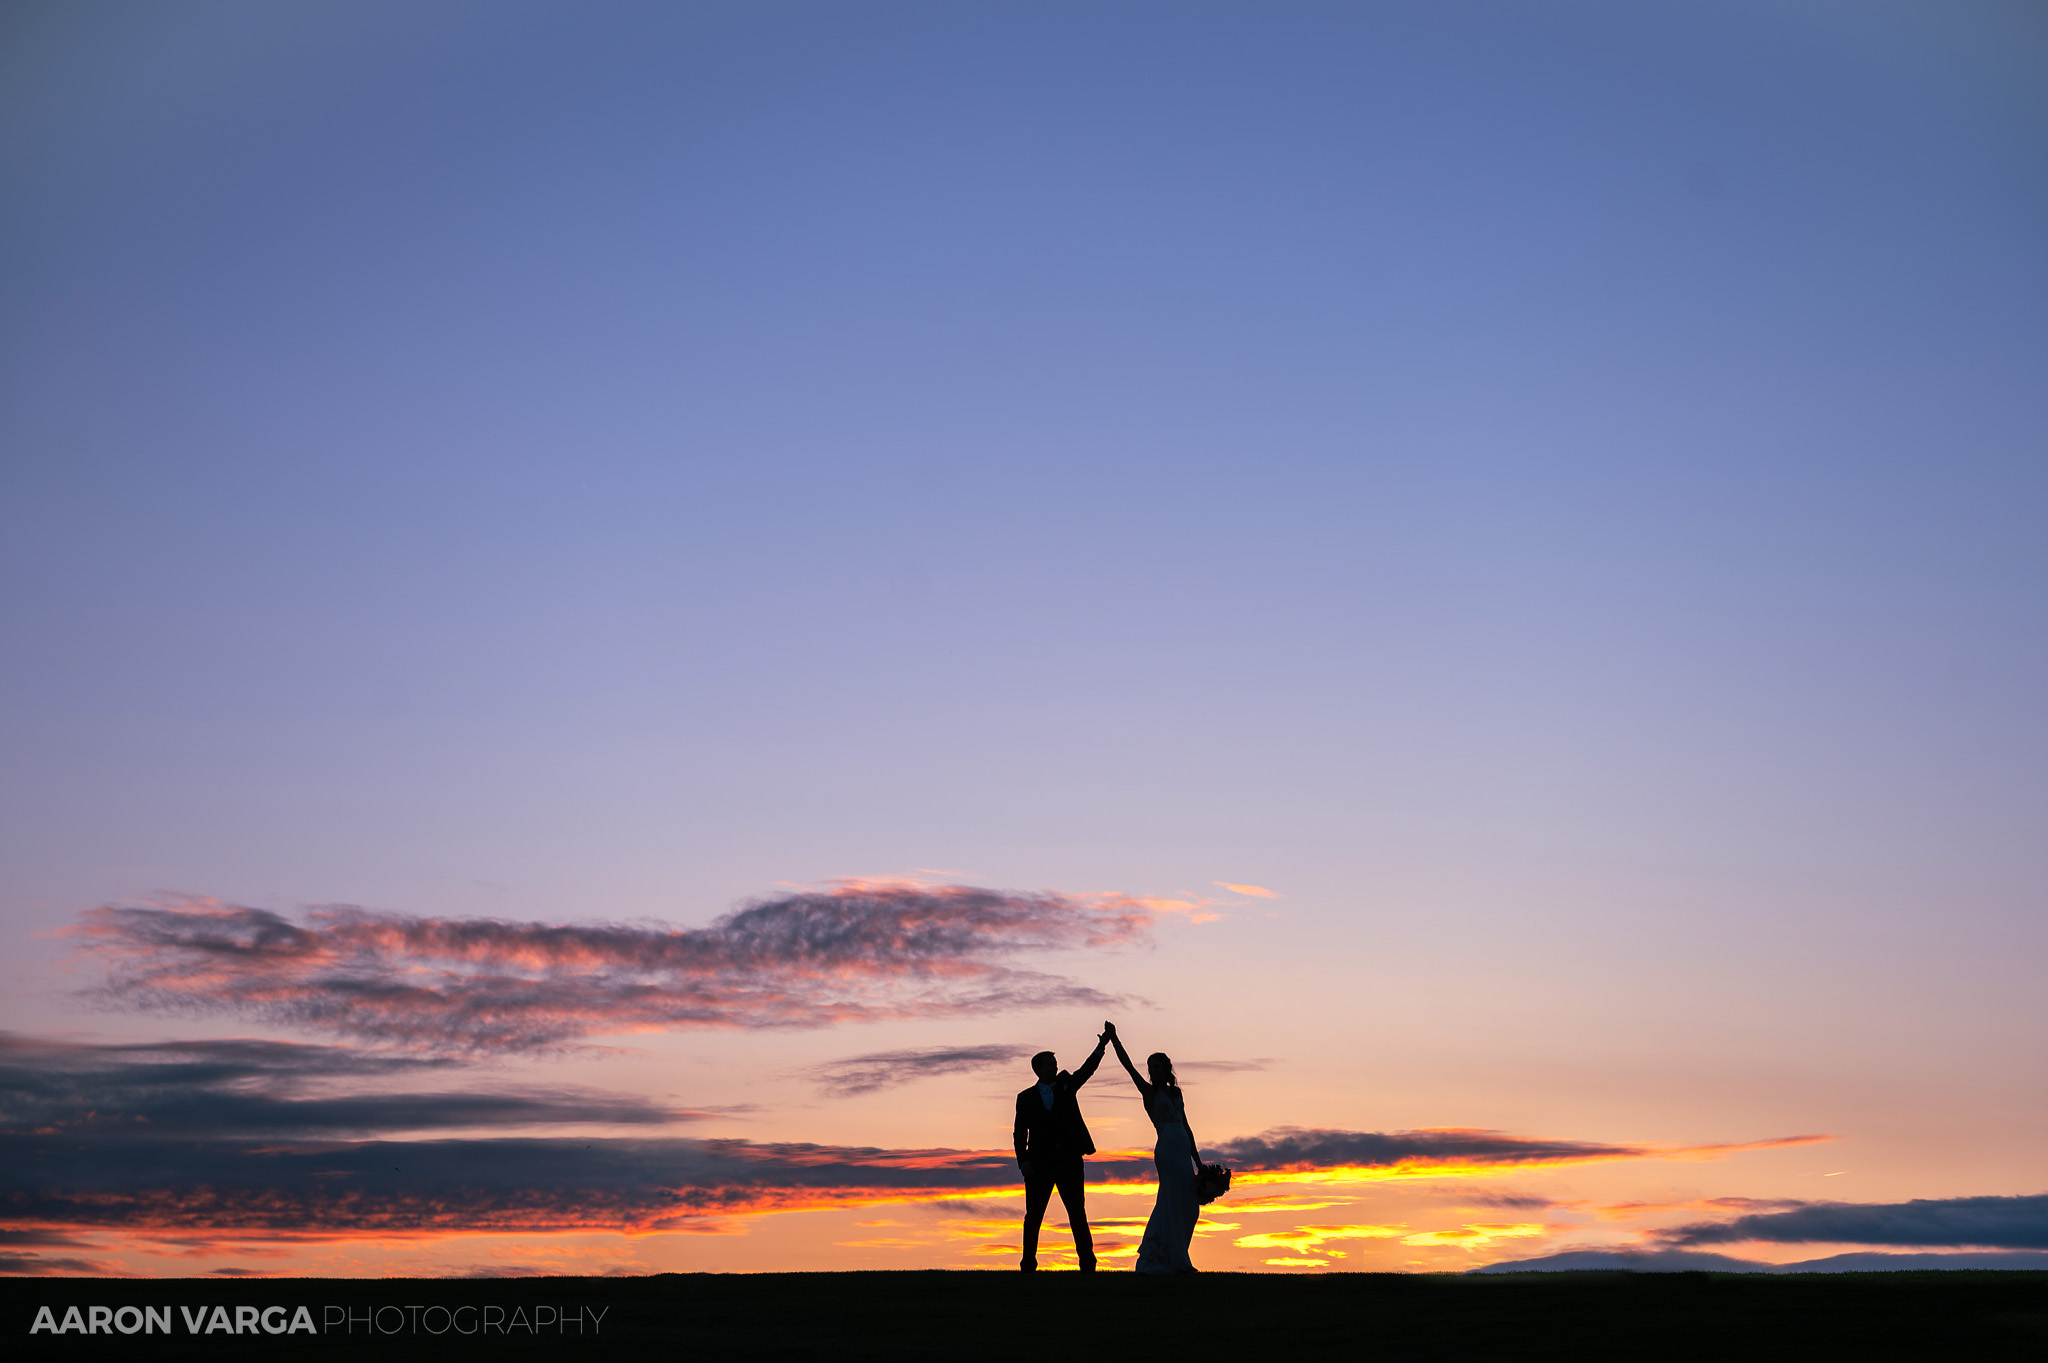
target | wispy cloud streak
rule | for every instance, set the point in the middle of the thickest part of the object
(856, 952)
(1441, 1150)
(49, 1266)
(209, 1089)
(860, 1074)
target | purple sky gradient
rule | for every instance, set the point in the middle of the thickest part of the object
(1556, 493)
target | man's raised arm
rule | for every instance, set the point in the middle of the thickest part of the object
(1087, 1070)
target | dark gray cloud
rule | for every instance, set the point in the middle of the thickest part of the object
(1298, 1148)
(225, 1136)
(1959, 1222)
(507, 1183)
(176, 1139)
(215, 1060)
(886, 1069)
(856, 952)
(42, 1239)
(181, 1089)
(36, 1265)
(1294, 1147)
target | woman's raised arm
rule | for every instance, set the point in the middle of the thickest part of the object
(1124, 1058)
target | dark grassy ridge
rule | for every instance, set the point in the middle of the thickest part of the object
(1110, 1316)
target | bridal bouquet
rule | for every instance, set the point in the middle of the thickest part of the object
(1212, 1183)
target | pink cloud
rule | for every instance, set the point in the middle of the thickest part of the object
(859, 951)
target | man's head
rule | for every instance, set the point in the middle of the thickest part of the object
(1045, 1065)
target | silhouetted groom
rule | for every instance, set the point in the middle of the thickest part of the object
(1051, 1141)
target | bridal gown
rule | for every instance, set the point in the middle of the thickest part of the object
(1172, 1227)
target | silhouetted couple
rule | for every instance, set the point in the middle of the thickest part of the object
(1052, 1140)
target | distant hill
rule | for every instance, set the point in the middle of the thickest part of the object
(1693, 1261)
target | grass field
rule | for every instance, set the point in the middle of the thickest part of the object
(1064, 1317)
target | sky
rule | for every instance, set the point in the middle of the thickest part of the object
(612, 613)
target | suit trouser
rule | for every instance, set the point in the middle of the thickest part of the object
(1064, 1172)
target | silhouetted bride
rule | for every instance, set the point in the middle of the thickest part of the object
(1172, 1227)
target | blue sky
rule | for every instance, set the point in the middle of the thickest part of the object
(1555, 491)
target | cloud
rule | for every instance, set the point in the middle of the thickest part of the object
(1627, 1211)
(860, 1074)
(1441, 1151)
(500, 1184)
(35, 1265)
(212, 1136)
(14, 1262)
(1295, 1148)
(195, 1142)
(860, 951)
(43, 1239)
(1520, 1202)
(886, 1069)
(1253, 891)
(182, 1089)
(968, 1207)
(248, 1186)
(1956, 1222)
(1195, 910)
(215, 1060)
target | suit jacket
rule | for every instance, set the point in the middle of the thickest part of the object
(1044, 1133)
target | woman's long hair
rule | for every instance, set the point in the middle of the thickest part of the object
(1160, 1063)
